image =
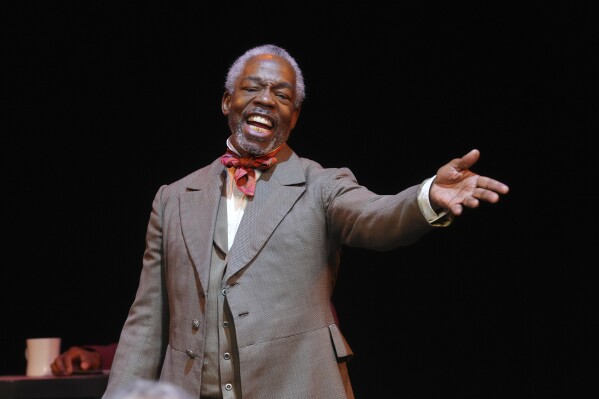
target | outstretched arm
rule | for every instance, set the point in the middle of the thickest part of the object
(456, 186)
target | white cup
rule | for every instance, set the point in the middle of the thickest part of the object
(40, 353)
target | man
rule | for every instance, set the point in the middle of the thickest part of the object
(240, 263)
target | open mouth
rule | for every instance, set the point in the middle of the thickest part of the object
(259, 124)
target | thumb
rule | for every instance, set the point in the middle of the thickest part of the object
(467, 160)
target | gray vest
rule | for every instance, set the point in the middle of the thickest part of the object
(220, 372)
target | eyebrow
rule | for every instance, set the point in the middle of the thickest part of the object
(258, 80)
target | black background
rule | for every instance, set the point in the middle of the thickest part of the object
(108, 100)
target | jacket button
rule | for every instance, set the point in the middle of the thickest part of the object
(195, 324)
(228, 387)
(226, 355)
(190, 353)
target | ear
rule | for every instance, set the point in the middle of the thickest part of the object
(294, 117)
(226, 103)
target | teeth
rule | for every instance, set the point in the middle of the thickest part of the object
(259, 130)
(260, 119)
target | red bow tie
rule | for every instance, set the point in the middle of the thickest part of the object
(245, 174)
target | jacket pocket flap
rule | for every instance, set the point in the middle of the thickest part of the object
(342, 349)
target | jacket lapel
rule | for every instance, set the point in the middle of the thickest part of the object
(276, 192)
(221, 234)
(199, 209)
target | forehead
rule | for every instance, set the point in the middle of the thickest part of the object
(269, 67)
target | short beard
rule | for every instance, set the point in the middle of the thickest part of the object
(249, 146)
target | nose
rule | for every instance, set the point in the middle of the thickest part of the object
(265, 97)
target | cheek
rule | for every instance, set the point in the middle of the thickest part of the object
(237, 104)
(288, 116)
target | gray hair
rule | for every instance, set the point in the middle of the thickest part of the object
(239, 64)
(150, 389)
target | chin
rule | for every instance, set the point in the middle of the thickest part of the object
(255, 145)
(252, 148)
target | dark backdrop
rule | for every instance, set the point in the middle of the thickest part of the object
(109, 100)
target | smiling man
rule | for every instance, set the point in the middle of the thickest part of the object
(242, 255)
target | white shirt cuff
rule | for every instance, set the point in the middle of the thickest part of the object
(442, 219)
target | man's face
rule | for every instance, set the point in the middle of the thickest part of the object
(260, 111)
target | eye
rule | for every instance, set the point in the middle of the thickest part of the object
(283, 96)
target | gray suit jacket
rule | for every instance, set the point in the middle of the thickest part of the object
(280, 276)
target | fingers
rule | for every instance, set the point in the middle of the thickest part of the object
(487, 190)
(468, 202)
(493, 185)
(472, 200)
(62, 365)
(467, 160)
(456, 209)
(487, 196)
